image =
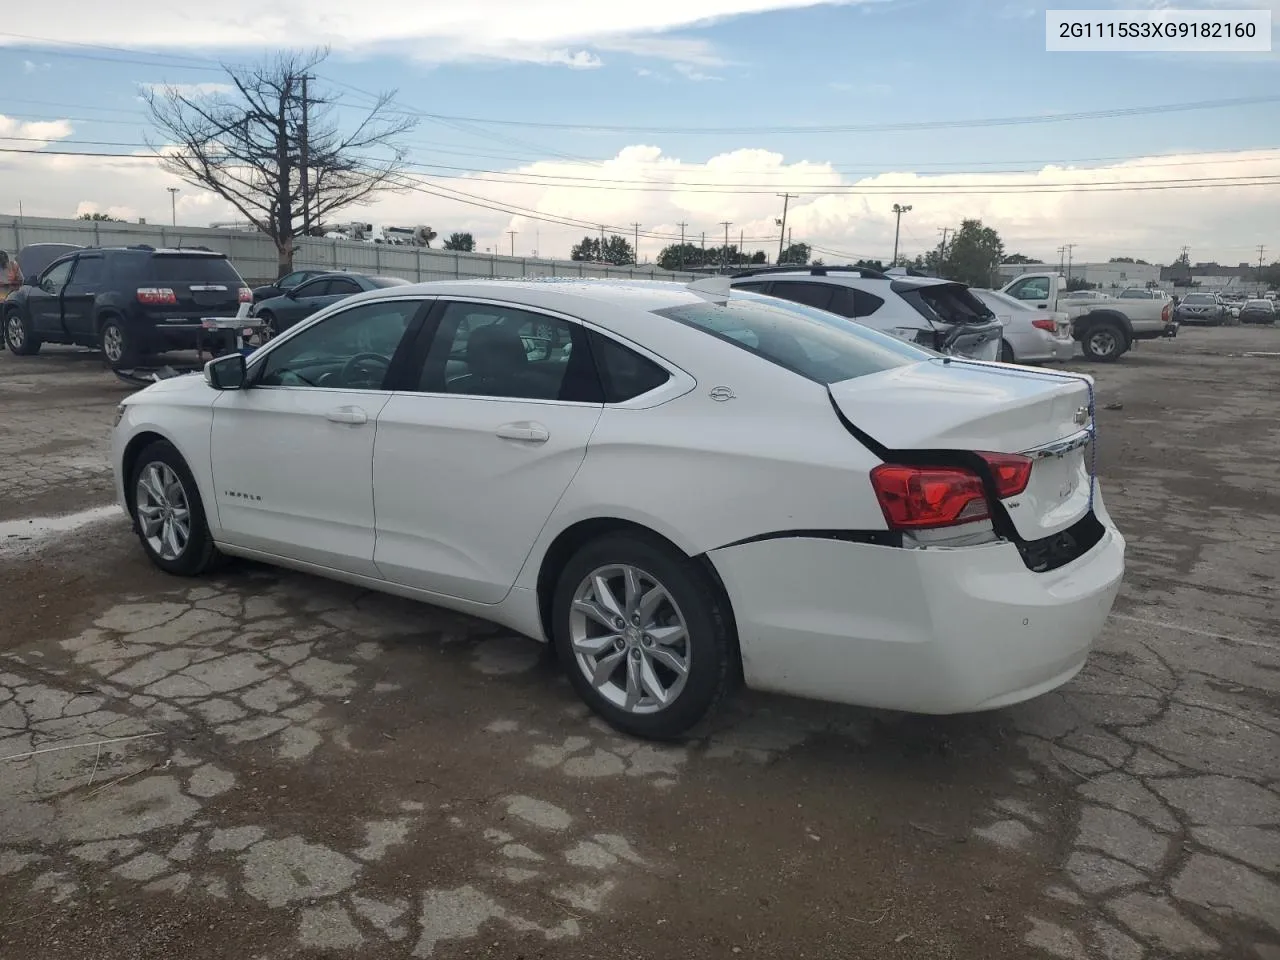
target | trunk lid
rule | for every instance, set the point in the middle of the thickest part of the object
(940, 405)
(964, 326)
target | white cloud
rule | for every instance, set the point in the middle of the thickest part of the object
(429, 29)
(38, 130)
(1217, 222)
(30, 67)
(690, 72)
(189, 90)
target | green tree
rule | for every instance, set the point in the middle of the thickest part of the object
(678, 256)
(1128, 260)
(797, 253)
(618, 251)
(1270, 275)
(974, 254)
(588, 249)
(460, 241)
(759, 257)
(1020, 258)
(99, 217)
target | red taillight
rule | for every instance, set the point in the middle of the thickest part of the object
(1045, 324)
(246, 295)
(915, 498)
(1011, 472)
(1164, 313)
(156, 296)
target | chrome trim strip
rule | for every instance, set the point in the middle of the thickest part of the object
(1060, 448)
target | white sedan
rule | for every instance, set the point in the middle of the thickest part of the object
(678, 486)
(1031, 334)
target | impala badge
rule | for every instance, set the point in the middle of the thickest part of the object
(721, 394)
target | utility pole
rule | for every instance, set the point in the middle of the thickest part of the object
(782, 233)
(899, 209)
(304, 173)
(1062, 260)
(942, 248)
(724, 254)
(602, 243)
(1069, 247)
(512, 235)
(742, 249)
(635, 251)
(173, 207)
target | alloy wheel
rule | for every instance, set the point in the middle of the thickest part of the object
(164, 515)
(630, 639)
(1103, 342)
(14, 333)
(113, 343)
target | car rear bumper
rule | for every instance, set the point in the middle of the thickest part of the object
(927, 631)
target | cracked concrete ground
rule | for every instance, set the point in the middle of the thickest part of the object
(262, 764)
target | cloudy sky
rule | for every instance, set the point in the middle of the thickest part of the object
(689, 111)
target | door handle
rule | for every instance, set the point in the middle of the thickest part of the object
(347, 415)
(525, 430)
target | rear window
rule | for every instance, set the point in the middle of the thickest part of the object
(175, 268)
(947, 303)
(817, 345)
(388, 282)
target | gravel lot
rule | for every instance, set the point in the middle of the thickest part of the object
(319, 771)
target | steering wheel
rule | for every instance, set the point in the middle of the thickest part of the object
(350, 368)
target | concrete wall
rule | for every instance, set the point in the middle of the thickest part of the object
(255, 256)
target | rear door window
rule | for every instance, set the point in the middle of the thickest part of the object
(811, 343)
(312, 288)
(175, 268)
(342, 285)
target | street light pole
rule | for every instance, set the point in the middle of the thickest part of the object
(173, 203)
(899, 209)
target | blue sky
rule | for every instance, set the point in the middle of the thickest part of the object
(867, 63)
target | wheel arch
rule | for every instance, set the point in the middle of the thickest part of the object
(575, 536)
(1081, 325)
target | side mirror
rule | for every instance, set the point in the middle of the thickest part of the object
(292, 293)
(227, 373)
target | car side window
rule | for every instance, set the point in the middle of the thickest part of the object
(853, 303)
(623, 372)
(1032, 288)
(89, 271)
(817, 295)
(342, 285)
(55, 278)
(486, 350)
(312, 288)
(352, 349)
(755, 286)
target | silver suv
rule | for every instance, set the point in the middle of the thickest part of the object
(939, 314)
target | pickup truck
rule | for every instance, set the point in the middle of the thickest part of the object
(1105, 329)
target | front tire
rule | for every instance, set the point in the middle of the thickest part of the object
(1103, 343)
(168, 515)
(117, 344)
(643, 634)
(18, 335)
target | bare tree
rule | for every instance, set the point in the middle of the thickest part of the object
(274, 149)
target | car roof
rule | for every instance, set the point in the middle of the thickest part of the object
(645, 295)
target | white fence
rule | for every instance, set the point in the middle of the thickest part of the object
(255, 256)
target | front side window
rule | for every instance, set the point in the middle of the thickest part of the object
(487, 350)
(55, 277)
(1032, 288)
(812, 343)
(349, 350)
(312, 288)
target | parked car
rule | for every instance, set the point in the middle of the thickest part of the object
(1031, 335)
(280, 313)
(1204, 308)
(1141, 293)
(128, 301)
(285, 284)
(938, 314)
(706, 485)
(1258, 311)
(1105, 329)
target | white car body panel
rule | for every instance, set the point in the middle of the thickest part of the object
(424, 500)
(1030, 344)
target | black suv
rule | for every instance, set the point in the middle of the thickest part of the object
(129, 301)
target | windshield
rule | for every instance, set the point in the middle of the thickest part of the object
(817, 345)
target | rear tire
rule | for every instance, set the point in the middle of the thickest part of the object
(167, 513)
(1103, 342)
(117, 344)
(1006, 353)
(18, 335)
(661, 631)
